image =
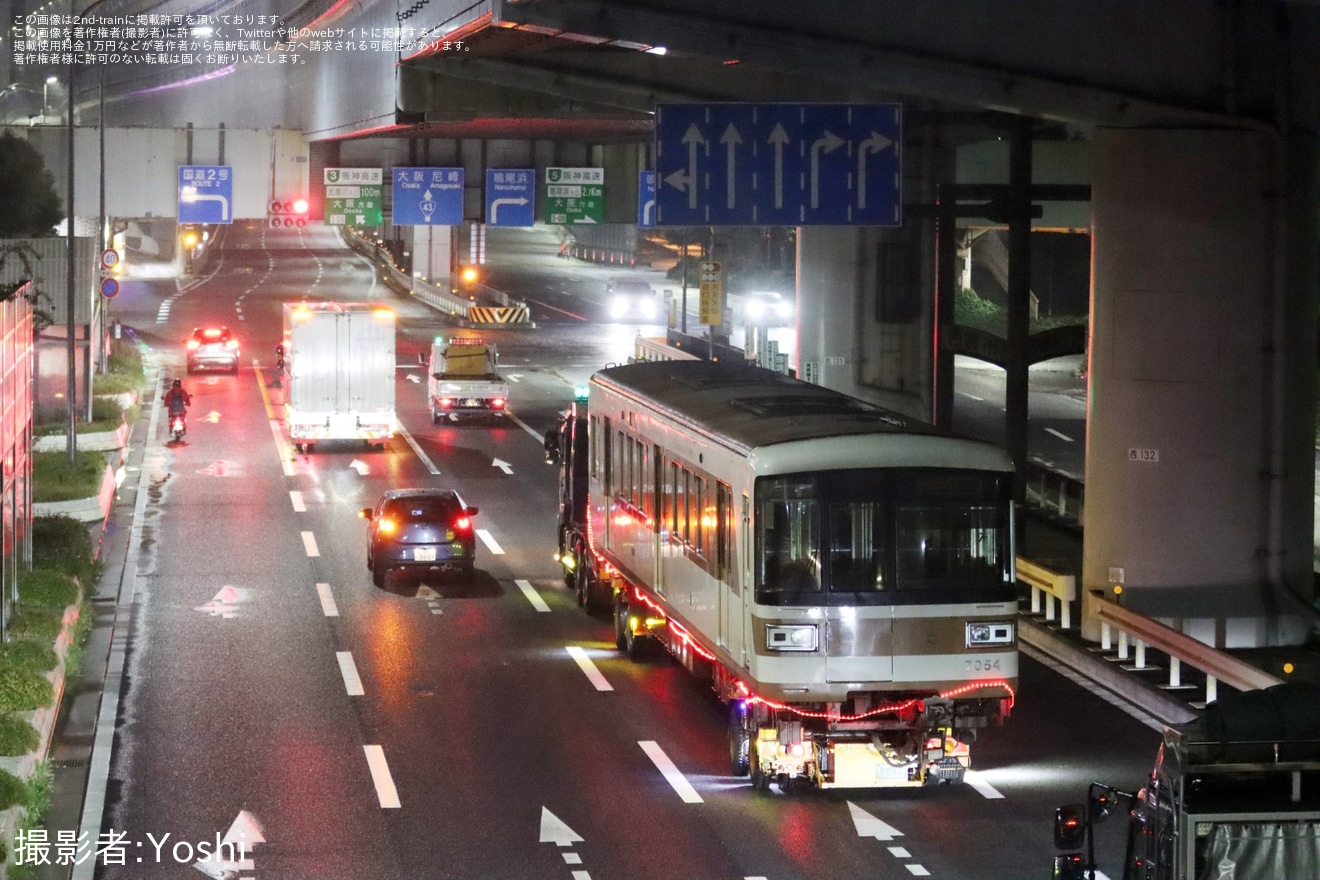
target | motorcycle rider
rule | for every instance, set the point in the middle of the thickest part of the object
(177, 400)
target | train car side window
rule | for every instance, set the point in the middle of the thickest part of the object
(788, 536)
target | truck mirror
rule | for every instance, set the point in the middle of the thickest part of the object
(1069, 867)
(365, 513)
(471, 511)
(1101, 801)
(551, 444)
(1069, 826)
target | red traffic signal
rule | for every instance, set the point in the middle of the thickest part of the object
(287, 213)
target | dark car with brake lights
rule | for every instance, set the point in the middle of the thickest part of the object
(419, 530)
(212, 348)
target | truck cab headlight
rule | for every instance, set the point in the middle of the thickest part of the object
(798, 637)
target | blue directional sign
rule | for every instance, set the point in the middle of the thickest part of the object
(206, 194)
(646, 199)
(510, 197)
(427, 196)
(778, 164)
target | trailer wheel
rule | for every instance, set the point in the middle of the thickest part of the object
(620, 624)
(582, 585)
(760, 780)
(740, 740)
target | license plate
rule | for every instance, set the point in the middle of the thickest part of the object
(424, 554)
(471, 401)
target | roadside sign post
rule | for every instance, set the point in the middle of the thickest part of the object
(711, 289)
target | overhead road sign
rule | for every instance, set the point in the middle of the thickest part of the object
(574, 195)
(778, 164)
(427, 196)
(510, 196)
(646, 199)
(206, 194)
(353, 196)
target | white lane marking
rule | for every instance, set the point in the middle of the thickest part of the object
(526, 427)
(348, 669)
(298, 504)
(426, 460)
(532, 596)
(976, 781)
(917, 871)
(900, 852)
(581, 875)
(572, 859)
(282, 449)
(309, 544)
(584, 663)
(972, 396)
(686, 792)
(1059, 434)
(386, 793)
(491, 544)
(328, 606)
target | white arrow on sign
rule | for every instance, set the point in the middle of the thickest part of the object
(360, 466)
(778, 137)
(731, 139)
(553, 830)
(692, 137)
(869, 826)
(827, 144)
(873, 144)
(502, 465)
(495, 206)
(244, 833)
(195, 196)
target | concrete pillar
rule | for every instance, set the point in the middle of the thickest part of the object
(841, 342)
(1188, 427)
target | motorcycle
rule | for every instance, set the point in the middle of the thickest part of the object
(178, 427)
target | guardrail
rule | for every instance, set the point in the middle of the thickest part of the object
(1143, 632)
(1050, 588)
(1057, 494)
(646, 348)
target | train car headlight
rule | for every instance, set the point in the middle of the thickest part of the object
(799, 637)
(980, 635)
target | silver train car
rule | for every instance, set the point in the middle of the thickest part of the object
(842, 574)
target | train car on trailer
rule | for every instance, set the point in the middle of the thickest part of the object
(842, 574)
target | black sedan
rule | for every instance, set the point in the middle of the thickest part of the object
(419, 530)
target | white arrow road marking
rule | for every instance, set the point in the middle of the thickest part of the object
(584, 663)
(328, 606)
(514, 377)
(553, 830)
(348, 669)
(240, 840)
(426, 460)
(223, 603)
(412, 378)
(869, 826)
(977, 781)
(386, 793)
(360, 466)
(532, 596)
(309, 544)
(686, 792)
(502, 465)
(490, 542)
(1059, 434)
(298, 505)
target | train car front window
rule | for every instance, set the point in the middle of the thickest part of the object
(789, 535)
(950, 530)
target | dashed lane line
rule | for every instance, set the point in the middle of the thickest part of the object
(348, 669)
(588, 668)
(426, 460)
(985, 789)
(328, 606)
(491, 544)
(676, 779)
(526, 427)
(386, 793)
(532, 596)
(309, 544)
(299, 506)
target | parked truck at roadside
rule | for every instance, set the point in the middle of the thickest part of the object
(1234, 795)
(338, 362)
(464, 381)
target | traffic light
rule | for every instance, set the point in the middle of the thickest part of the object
(287, 213)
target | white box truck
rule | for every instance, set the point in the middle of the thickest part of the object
(465, 381)
(338, 373)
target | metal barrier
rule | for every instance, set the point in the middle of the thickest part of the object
(1049, 586)
(1055, 493)
(648, 349)
(517, 314)
(1180, 648)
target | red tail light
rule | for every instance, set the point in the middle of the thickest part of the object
(497, 403)
(463, 523)
(193, 345)
(446, 402)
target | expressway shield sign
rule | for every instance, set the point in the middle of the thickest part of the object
(778, 164)
(206, 194)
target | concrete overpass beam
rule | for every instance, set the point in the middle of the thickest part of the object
(1197, 451)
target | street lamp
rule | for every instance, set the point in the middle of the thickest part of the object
(45, 92)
